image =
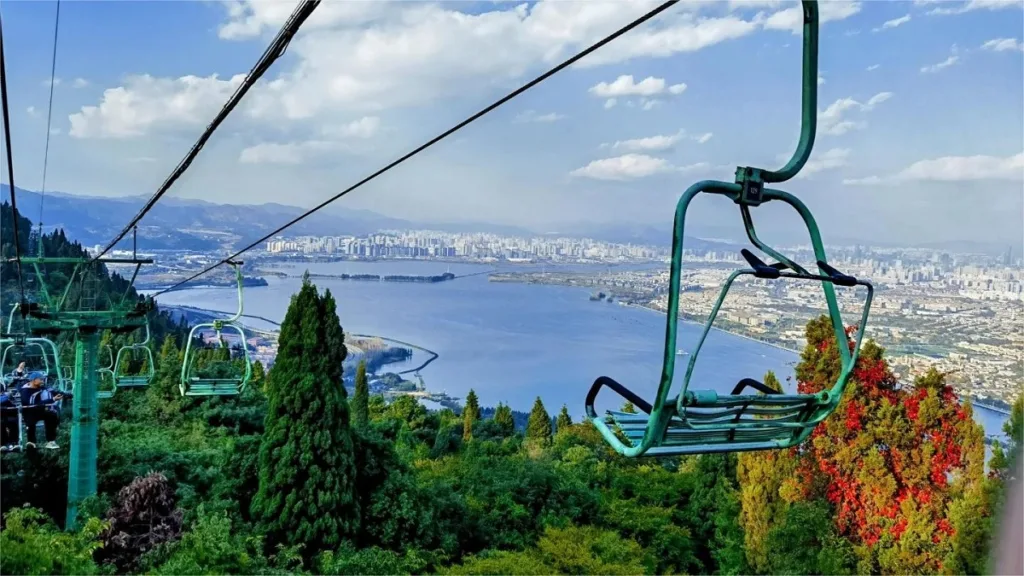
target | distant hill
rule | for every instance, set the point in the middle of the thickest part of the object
(184, 224)
(175, 223)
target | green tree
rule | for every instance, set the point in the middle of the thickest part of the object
(1014, 425)
(32, 544)
(361, 400)
(805, 541)
(628, 407)
(564, 420)
(307, 467)
(210, 547)
(538, 427)
(761, 475)
(503, 418)
(470, 414)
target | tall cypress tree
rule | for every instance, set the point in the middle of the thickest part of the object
(470, 414)
(762, 507)
(306, 465)
(361, 400)
(538, 427)
(564, 420)
(503, 418)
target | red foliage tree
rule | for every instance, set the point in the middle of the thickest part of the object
(891, 460)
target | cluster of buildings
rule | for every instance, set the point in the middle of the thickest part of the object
(469, 246)
(961, 314)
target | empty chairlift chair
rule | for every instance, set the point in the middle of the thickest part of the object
(131, 355)
(752, 416)
(218, 376)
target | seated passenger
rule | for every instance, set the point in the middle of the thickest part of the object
(38, 403)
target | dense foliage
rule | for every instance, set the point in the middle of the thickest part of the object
(281, 479)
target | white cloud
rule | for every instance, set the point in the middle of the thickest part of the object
(866, 181)
(953, 59)
(32, 111)
(971, 5)
(365, 127)
(873, 67)
(79, 83)
(894, 23)
(145, 102)
(792, 18)
(827, 160)
(1003, 44)
(277, 153)
(954, 169)
(658, 143)
(821, 79)
(651, 143)
(834, 121)
(625, 167)
(533, 116)
(625, 86)
(409, 53)
(46, 83)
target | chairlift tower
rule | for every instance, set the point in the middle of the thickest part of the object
(53, 314)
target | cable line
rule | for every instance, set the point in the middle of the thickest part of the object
(49, 116)
(10, 158)
(270, 55)
(438, 138)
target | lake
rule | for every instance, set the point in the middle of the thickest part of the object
(514, 342)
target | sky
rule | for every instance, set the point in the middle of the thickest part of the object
(920, 109)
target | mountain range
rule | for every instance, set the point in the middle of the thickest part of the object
(185, 224)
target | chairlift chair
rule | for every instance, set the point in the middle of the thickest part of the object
(703, 421)
(122, 380)
(194, 384)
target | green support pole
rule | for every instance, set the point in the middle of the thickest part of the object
(85, 425)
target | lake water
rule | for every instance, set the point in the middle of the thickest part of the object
(513, 342)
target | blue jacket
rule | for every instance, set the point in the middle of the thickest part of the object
(41, 396)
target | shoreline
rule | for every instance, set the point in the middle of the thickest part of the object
(974, 402)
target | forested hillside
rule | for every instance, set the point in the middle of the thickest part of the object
(295, 477)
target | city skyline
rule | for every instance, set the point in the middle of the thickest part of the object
(612, 140)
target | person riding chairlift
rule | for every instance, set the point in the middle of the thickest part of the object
(40, 403)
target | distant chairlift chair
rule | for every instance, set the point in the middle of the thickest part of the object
(702, 421)
(130, 352)
(192, 384)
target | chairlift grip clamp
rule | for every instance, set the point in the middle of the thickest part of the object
(751, 182)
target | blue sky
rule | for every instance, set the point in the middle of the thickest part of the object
(921, 109)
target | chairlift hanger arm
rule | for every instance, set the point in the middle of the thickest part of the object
(809, 99)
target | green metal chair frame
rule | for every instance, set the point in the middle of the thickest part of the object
(702, 421)
(104, 375)
(193, 385)
(135, 380)
(47, 349)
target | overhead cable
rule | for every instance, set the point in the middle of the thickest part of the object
(10, 159)
(49, 116)
(437, 138)
(270, 55)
